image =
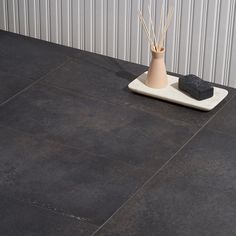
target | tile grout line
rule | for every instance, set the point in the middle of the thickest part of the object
(115, 103)
(68, 59)
(35, 82)
(68, 90)
(49, 140)
(159, 170)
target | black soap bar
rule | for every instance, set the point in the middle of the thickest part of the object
(195, 87)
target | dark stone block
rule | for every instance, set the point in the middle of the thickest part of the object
(195, 87)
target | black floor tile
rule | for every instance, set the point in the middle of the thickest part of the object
(10, 85)
(29, 58)
(66, 179)
(117, 132)
(76, 146)
(18, 219)
(194, 195)
(107, 79)
(225, 120)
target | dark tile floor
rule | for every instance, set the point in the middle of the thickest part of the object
(80, 154)
(195, 194)
(22, 218)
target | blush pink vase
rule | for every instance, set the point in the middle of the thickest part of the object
(157, 77)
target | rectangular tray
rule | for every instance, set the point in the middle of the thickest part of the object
(172, 94)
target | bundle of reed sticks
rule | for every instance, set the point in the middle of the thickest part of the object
(157, 41)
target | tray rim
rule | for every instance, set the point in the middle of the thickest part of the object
(153, 93)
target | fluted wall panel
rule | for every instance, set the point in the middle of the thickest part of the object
(201, 39)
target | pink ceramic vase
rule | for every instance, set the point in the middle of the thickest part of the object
(157, 77)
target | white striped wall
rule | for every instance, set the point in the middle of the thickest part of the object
(201, 39)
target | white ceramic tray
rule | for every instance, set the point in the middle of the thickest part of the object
(172, 94)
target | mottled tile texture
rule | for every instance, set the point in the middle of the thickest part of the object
(22, 218)
(194, 195)
(78, 149)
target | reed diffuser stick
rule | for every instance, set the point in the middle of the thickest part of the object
(152, 27)
(157, 43)
(141, 18)
(160, 24)
(169, 17)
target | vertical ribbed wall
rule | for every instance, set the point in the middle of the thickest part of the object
(200, 40)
